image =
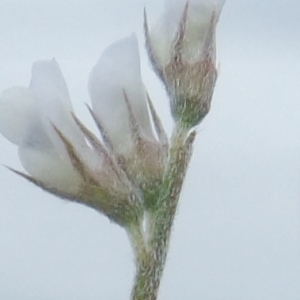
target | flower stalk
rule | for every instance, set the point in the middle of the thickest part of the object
(152, 256)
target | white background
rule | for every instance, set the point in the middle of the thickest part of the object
(237, 233)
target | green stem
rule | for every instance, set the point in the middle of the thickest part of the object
(153, 253)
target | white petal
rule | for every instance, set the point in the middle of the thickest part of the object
(53, 104)
(42, 159)
(199, 16)
(47, 80)
(47, 166)
(118, 70)
(16, 105)
(176, 7)
(161, 41)
(20, 122)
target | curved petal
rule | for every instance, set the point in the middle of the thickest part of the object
(118, 70)
(47, 80)
(16, 106)
(27, 117)
(53, 104)
(21, 123)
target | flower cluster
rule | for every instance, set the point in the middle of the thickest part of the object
(115, 172)
(131, 172)
(65, 158)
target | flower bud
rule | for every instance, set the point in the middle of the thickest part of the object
(181, 48)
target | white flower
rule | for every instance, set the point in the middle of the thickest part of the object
(181, 47)
(53, 148)
(63, 157)
(27, 115)
(119, 102)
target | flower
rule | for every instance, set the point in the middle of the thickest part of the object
(27, 115)
(65, 158)
(119, 101)
(181, 48)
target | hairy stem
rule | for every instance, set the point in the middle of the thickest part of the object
(152, 257)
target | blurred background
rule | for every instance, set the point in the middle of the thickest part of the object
(237, 233)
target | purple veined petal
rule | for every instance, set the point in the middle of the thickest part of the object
(54, 106)
(16, 109)
(118, 70)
